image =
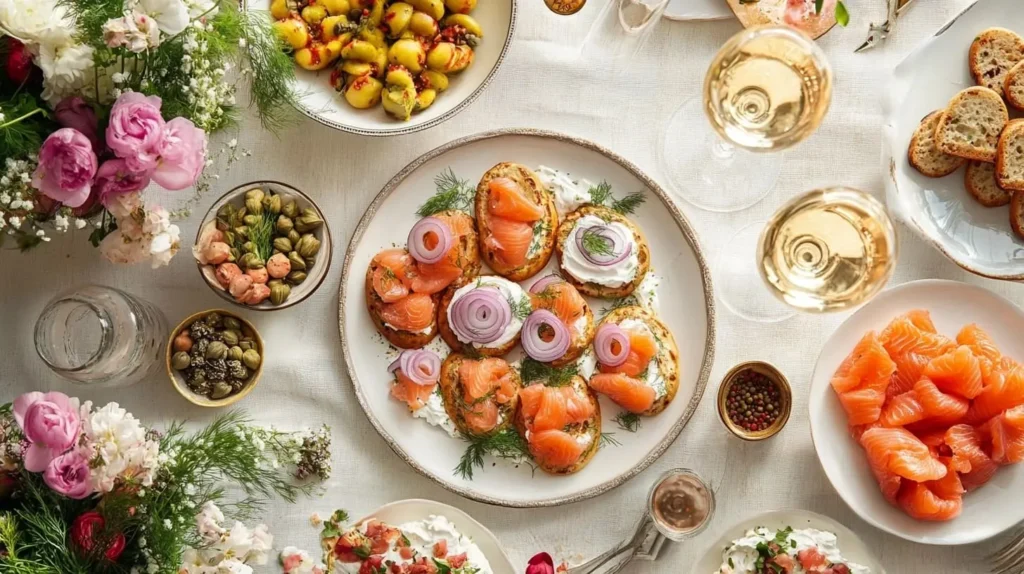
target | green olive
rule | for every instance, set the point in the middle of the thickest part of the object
(376, 15)
(399, 101)
(449, 58)
(374, 36)
(363, 92)
(315, 57)
(356, 68)
(331, 25)
(397, 18)
(408, 53)
(466, 21)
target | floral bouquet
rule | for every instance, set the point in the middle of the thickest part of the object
(91, 491)
(101, 98)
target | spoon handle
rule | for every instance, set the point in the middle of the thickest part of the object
(630, 546)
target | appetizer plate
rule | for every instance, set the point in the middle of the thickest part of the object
(321, 102)
(988, 510)
(771, 12)
(697, 10)
(411, 510)
(686, 306)
(977, 238)
(851, 547)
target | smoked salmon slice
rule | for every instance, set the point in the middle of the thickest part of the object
(979, 342)
(510, 240)
(909, 368)
(412, 394)
(555, 448)
(482, 416)
(969, 458)
(562, 299)
(414, 312)
(393, 274)
(922, 319)
(939, 405)
(1006, 433)
(481, 378)
(1003, 390)
(642, 348)
(627, 392)
(387, 285)
(545, 408)
(903, 410)
(922, 503)
(431, 278)
(868, 366)
(956, 372)
(902, 336)
(900, 452)
(507, 201)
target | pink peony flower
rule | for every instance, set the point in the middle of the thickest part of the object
(114, 178)
(51, 426)
(75, 113)
(182, 155)
(67, 164)
(136, 130)
(68, 474)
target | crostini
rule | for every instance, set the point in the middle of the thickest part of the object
(561, 425)
(561, 326)
(516, 221)
(637, 361)
(484, 316)
(480, 395)
(601, 252)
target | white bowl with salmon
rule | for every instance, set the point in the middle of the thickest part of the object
(509, 405)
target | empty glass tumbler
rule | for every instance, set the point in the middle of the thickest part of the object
(100, 336)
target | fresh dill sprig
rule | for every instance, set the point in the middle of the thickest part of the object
(521, 308)
(452, 194)
(596, 244)
(505, 443)
(272, 70)
(627, 301)
(601, 194)
(627, 205)
(532, 371)
(608, 439)
(262, 236)
(627, 421)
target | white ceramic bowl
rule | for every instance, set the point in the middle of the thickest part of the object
(977, 238)
(988, 511)
(321, 102)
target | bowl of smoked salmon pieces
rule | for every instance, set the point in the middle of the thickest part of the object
(917, 412)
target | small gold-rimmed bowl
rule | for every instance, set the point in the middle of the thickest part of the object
(178, 377)
(785, 400)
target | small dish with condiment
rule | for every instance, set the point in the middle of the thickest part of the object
(214, 358)
(754, 401)
(681, 504)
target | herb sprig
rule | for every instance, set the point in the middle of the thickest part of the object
(506, 444)
(531, 371)
(521, 308)
(627, 421)
(595, 244)
(452, 194)
(627, 301)
(608, 439)
(601, 194)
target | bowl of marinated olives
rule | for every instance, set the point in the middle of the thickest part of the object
(214, 358)
(382, 67)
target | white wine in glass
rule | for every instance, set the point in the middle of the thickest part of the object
(828, 250)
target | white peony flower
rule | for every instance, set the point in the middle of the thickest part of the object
(208, 523)
(119, 442)
(64, 69)
(233, 566)
(36, 21)
(172, 16)
(262, 544)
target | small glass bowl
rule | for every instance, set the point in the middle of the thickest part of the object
(785, 400)
(667, 531)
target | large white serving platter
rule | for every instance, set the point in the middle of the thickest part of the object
(412, 510)
(321, 102)
(851, 547)
(977, 238)
(686, 307)
(988, 511)
(698, 10)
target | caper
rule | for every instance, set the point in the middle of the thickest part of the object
(181, 361)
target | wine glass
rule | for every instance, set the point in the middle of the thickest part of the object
(767, 89)
(620, 31)
(826, 250)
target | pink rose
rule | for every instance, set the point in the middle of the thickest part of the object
(182, 155)
(114, 178)
(68, 474)
(50, 423)
(67, 164)
(87, 527)
(136, 130)
(543, 564)
(73, 112)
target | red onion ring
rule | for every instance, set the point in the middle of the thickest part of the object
(480, 316)
(541, 285)
(618, 245)
(420, 366)
(538, 348)
(604, 340)
(417, 240)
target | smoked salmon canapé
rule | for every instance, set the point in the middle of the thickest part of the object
(634, 362)
(601, 252)
(480, 395)
(484, 316)
(560, 424)
(561, 326)
(936, 416)
(516, 221)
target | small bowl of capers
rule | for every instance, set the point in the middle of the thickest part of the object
(214, 358)
(264, 245)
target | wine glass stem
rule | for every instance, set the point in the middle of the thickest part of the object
(723, 150)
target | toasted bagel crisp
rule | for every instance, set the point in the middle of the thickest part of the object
(668, 352)
(454, 404)
(532, 188)
(449, 336)
(593, 289)
(398, 338)
(591, 427)
(469, 251)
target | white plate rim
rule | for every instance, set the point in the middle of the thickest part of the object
(431, 123)
(684, 227)
(919, 284)
(676, 18)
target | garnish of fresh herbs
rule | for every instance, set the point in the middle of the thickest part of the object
(627, 301)
(334, 525)
(521, 308)
(596, 244)
(601, 194)
(505, 443)
(608, 439)
(627, 421)
(531, 371)
(452, 194)
(842, 14)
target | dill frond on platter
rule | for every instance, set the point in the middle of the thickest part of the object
(627, 421)
(601, 194)
(531, 371)
(506, 444)
(452, 194)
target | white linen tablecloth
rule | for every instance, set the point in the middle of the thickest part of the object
(541, 85)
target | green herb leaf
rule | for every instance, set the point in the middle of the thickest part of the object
(601, 193)
(627, 421)
(608, 439)
(452, 194)
(533, 371)
(818, 4)
(627, 301)
(505, 443)
(521, 308)
(842, 14)
(627, 205)
(362, 551)
(442, 567)
(595, 244)
(731, 564)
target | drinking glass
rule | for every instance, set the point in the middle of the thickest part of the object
(621, 30)
(767, 89)
(826, 250)
(681, 504)
(100, 336)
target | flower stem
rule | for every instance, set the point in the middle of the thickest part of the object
(21, 118)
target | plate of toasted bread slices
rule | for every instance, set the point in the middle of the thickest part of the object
(954, 140)
(526, 318)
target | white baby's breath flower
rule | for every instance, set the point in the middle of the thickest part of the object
(14, 221)
(80, 223)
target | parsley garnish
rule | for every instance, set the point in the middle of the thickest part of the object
(532, 371)
(442, 568)
(627, 421)
(601, 194)
(505, 443)
(452, 193)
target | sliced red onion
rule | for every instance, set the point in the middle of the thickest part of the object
(619, 246)
(604, 345)
(420, 366)
(541, 285)
(537, 347)
(418, 240)
(481, 315)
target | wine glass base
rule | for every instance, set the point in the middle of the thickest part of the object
(739, 285)
(706, 171)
